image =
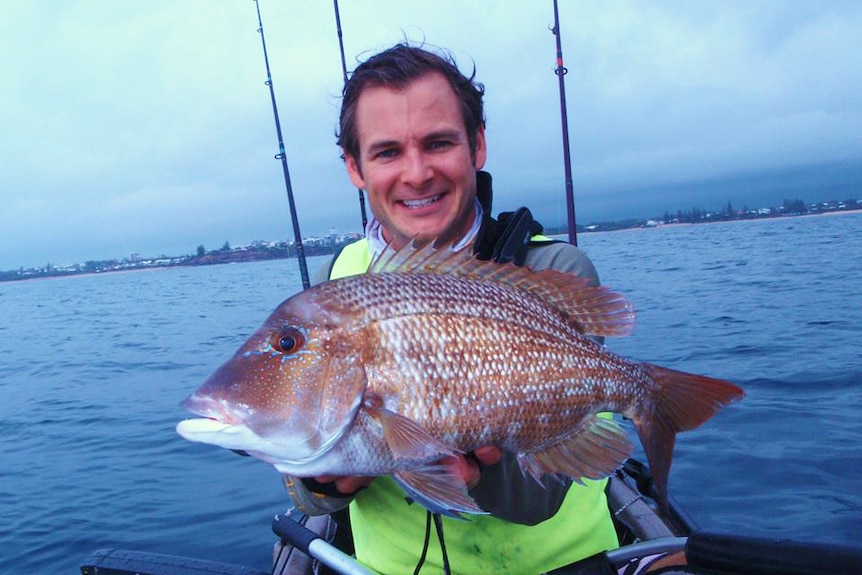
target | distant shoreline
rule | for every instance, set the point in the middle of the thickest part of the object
(90, 274)
(188, 263)
(685, 224)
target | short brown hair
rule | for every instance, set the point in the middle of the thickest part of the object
(395, 68)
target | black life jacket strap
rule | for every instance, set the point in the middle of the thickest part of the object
(518, 229)
(507, 238)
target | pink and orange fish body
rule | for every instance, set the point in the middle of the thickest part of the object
(434, 353)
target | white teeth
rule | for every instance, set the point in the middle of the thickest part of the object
(420, 203)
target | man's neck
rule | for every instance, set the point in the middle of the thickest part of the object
(378, 237)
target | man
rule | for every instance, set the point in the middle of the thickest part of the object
(413, 138)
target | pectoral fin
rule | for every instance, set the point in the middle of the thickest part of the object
(406, 439)
(594, 453)
(428, 481)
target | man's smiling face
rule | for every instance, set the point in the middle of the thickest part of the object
(415, 162)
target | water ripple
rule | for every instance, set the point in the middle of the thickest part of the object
(92, 370)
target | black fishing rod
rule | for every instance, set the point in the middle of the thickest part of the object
(561, 71)
(344, 72)
(297, 236)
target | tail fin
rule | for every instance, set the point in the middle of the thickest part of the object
(684, 401)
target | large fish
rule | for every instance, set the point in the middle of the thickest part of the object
(433, 353)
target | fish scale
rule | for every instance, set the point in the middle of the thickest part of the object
(433, 353)
(390, 295)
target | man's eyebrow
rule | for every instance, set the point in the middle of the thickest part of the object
(452, 134)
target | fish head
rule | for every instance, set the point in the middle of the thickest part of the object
(290, 392)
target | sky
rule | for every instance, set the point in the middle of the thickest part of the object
(146, 127)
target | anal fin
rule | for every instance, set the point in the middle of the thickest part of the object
(594, 453)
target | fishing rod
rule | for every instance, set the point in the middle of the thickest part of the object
(344, 72)
(561, 71)
(297, 236)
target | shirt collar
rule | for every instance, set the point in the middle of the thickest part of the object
(376, 243)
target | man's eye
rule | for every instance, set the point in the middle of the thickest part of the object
(390, 153)
(440, 144)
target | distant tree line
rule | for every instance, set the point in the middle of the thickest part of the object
(788, 208)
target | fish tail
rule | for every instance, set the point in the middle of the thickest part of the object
(683, 401)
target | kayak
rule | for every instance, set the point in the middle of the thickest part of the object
(645, 533)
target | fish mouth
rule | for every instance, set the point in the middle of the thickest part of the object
(222, 426)
(211, 409)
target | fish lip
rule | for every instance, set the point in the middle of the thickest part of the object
(209, 408)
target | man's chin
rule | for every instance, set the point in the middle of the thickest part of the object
(401, 240)
(423, 229)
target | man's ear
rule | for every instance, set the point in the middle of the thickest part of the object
(354, 171)
(481, 151)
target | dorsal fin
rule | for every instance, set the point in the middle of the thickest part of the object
(596, 310)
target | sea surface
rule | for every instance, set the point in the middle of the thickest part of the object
(92, 369)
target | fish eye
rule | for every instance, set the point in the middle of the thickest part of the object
(289, 340)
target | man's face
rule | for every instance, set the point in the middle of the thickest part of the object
(414, 160)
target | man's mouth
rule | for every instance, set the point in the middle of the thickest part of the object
(415, 204)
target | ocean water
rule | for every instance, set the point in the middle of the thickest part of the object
(92, 369)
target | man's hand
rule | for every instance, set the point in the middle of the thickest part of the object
(346, 485)
(469, 468)
(466, 467)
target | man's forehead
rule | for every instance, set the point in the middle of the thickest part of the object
(427, 103)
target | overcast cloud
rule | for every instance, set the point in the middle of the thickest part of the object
(146, 126)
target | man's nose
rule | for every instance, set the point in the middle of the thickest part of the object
(417, 170)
